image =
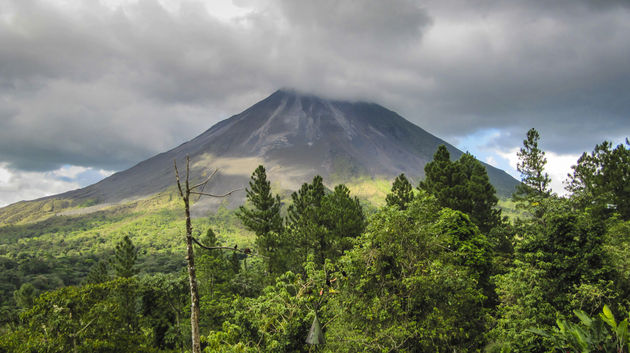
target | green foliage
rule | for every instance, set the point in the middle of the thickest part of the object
(601, 180)
(464, 186)
(277, 321)
(90, 318)
(401, 193)
(559, 267)
(163, 303)
(124, 258)
(263, 217)
(98, 273)
(534, 181)
(481, 201)
(26, 295)
(598, 334)
(405, 289)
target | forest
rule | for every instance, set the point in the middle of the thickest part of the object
(438, 268)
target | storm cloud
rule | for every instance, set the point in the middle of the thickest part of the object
(106, 84)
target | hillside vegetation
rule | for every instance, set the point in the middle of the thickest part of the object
(431, 267)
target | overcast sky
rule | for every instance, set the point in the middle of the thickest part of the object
(92, 87)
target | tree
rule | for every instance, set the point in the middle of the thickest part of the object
(185, 191)
(481, 204)
(401, 194)
(124, 258)
(462, 185)
(98, 273)
(306, 234)
(559, 266)
(263, 217)
(444, 179)
(601, 180)
(343, 217)
(534, 181)
(413, 284)
(25, 296)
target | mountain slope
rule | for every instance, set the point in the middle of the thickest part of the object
(295, 136)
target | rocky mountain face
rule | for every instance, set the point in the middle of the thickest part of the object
(295, 136)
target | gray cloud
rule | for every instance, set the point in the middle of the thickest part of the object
(91, 85)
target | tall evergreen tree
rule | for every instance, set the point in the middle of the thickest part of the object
(306, 233)
(263, 216)
(601, 180)
(534, 181)
(98, 274)
(401, 193)
(343, 217)
(481, 205)
(444, 179)
(124, 258)
(464, 186)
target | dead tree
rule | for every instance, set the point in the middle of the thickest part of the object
(185, 191)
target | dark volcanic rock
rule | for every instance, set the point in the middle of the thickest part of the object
(295, 136)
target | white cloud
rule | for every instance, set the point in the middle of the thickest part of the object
(558, 166)
(16, 185)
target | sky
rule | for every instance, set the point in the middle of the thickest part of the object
(91, 87)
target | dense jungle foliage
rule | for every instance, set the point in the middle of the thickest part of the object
(436, 268)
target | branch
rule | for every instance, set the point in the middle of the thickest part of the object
(85, 327)
(205, 181)
(245, 251)
(213, 195)
(179, 185)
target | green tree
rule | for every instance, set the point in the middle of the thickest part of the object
(263, 217)
(445, 179)
(343, 218)
(601, 180)
(462, 185)
(481, 203)
(306, 233)
(559, 267)
(534, 181)
(321, 224)
(124, 259)
(401, 193)
(25, 296)
(98, 273)
(413, 284)
(163, 307)
(80, 319)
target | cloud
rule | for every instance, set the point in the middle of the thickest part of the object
(106, 84)
(17, 185)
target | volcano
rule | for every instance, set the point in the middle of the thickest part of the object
(295, 136)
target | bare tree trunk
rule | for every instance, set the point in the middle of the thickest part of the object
(190, 258)
(185, 193)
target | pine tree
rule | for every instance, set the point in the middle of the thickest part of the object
(601, 180)
(263, 216)
(444, 179)
(464, 186)
(124, 258)
(98, 273)
(534, 181)
(401, 193)
(343, 217)
(481, 204)
(306, 234)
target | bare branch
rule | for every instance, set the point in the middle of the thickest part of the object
(179, 185)
(187, 174)
(245, 251)
(205, 181)
(213, 195)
